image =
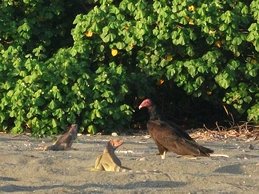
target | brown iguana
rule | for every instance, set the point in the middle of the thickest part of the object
(64, 142)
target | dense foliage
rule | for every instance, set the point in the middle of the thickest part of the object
(117, 50)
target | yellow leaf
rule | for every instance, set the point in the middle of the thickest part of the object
(218, 44)
(114, 52)
(209, 93)
(160, 82)
(212, 32)
(191, 8)
(169, 58)
(191, 22)
(89, 34)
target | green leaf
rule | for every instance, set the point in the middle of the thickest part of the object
(223, 27)
(257, 45)
(199, 80)
(223, 80)
(170, 72)
(253, 113)
(54, 123)
(210, 40)
(52, 105)
(191, 70)
(120, 45)
(91, 129)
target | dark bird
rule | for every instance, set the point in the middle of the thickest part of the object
(170, 138)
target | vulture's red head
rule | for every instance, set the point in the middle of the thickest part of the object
(145, 103)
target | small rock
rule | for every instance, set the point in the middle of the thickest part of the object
(147, 136)
(250, 139)
(142, 159)
(27, 144)
(114, 134)
(251, 147)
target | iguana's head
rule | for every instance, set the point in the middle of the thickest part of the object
(115, 143)
(73, 128)
(73, 131)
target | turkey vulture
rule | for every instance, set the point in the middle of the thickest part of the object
(170, 138)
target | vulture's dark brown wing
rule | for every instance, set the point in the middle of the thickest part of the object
(179, 132)
(183, 146)
(167, 128)
(172, 139)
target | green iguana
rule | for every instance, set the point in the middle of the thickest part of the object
(108, 161)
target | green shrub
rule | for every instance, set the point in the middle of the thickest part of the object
(208, 48)
(118, 49)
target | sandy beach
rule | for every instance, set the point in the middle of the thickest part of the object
(25, 170)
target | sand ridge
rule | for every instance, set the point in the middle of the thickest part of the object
(24, 169)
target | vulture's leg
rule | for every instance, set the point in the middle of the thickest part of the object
(161, 148)
(163, 155)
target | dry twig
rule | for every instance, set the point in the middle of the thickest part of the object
(242, 131)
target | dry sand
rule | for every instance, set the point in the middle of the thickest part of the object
(25, 170)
